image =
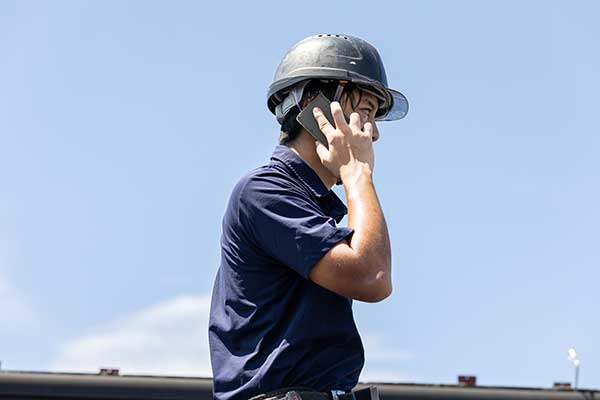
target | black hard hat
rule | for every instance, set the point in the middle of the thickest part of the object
(339, 58)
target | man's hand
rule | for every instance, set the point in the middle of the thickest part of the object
(359, 267)
(350, 152)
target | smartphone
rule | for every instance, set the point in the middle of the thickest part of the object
(308, 121)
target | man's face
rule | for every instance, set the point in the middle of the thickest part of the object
(363, 103)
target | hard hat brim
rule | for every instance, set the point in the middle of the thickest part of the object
(398, 108)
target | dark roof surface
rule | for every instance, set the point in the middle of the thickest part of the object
(45, 385)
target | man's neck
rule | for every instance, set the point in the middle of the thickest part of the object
(304, 146)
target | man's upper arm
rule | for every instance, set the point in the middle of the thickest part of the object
(342, 271)
(287, 225)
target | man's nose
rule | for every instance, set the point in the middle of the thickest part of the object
(375, 136)
(371, 119)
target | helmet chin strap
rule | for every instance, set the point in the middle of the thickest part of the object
(339, 90)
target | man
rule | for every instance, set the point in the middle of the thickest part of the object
(281, 312)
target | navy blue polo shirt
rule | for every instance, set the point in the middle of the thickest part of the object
(270, 326)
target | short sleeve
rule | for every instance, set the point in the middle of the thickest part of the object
(287, 223)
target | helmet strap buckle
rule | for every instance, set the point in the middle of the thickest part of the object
(339, 90)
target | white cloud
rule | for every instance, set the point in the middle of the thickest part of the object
(169, 338)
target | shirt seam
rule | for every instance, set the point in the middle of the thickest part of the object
(299, 176)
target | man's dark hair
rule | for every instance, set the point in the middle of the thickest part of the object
(290, 128)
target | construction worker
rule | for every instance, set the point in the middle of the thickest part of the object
(281, 312)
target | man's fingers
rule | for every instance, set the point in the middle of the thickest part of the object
(324, 125)
(322, 151)
(338, 116)
(355, 121)
(368, 129)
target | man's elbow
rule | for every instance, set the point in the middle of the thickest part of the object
(362, 277)
(375, 296)
(378, 289)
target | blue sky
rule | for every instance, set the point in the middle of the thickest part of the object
(124, 125)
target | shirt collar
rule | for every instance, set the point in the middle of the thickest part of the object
(300, 168)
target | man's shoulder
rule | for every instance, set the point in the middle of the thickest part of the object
(259, 197)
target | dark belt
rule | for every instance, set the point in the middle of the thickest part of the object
(368, 393)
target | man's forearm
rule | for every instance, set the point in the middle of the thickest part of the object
(370, 240)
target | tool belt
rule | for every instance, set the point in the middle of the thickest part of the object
(300, 393)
